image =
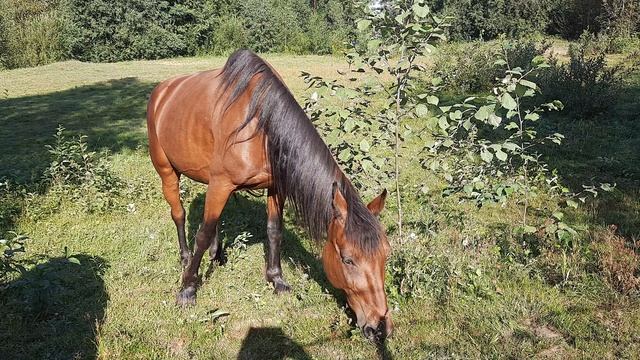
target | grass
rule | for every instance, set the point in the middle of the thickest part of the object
(118, 302)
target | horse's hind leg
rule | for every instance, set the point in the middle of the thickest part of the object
(274, 234)
(215, 250)
(217, 195)
(171, 190)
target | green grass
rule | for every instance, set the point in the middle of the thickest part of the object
(118, 303)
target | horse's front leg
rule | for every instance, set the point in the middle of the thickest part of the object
(274, 234)
(217, 196)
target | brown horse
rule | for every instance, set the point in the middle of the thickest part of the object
(240, 128)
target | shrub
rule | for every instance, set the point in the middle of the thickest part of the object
(586, 85)
(485, 20)
(470, 67)
(467, 68)
(80, 174)
(229, 34)
(30, 33)
(10, 249)
(570, 18)
(102, 30)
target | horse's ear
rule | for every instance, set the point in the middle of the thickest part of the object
(339, 203)
(376, 205)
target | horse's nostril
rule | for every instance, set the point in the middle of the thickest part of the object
(369, 332)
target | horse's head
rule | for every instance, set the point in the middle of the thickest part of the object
(358, 272)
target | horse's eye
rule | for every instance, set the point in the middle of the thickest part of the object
(348, 261)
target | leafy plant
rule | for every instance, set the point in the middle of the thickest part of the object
(488, 150)
(587, 84)
(11, 248)
(398, 36)
(81, 174)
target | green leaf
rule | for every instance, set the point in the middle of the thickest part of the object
(467, 124)
(532, 116)
(364, 145)
(486, 155)
(511, 126)
(528, 84)
(468, 188)
(538, 60)
(363, 24)
(510, 146)
(494, 120)
(444, 124)
(422, 110)
(420, 10)
(344, 155)
(607, 187)
(572, 203)
(374, 44)
(501, 155)
(483, 113)
(507, 101)
(349, 125)
(367, 165)
(558, 215)
(73, 260)
(433, 100)
(436, 81)
(529, 229)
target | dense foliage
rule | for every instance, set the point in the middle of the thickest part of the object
(39, 32)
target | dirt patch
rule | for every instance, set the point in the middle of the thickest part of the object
(543, 331)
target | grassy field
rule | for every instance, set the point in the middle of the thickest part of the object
(118, 302)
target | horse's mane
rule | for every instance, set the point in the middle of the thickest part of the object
(302, 166)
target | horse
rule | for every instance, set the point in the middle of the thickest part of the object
(240, 128)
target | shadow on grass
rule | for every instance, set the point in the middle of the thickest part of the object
(54, 310)
(110, 113)
(603, 149)
(244, 214)
(270, 343)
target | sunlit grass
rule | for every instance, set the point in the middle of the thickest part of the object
(521, 315)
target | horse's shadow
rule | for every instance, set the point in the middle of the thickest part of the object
(54, 310)
(270, 343)
(248, 215)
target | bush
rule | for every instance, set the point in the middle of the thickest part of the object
(10, 249)
(586, 85)
(119, 30)
(469, 68)
(80, 174)
(485, 20)
(229, 34)
(417, 273)
(30, 33)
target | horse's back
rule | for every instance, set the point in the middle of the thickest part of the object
(189, 124)
(181, 120)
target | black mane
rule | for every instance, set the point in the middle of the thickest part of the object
(302, 166)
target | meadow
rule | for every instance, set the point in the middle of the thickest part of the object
(99, 282)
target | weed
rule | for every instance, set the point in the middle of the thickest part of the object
(617, 263)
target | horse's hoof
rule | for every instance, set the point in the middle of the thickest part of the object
(186, 297)
(281, 286)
